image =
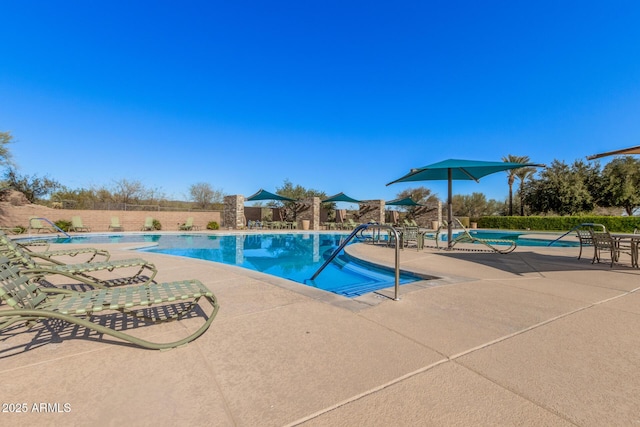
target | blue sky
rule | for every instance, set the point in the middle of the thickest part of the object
(334, 96)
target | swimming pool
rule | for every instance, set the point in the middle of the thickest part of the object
(294, 256)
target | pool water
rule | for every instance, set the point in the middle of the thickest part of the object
(292, 256)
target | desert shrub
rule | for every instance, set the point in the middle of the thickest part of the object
(212, 225)
(157, 225)
(63, 224)
(559, 223)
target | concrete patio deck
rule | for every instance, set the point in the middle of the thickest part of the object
(535, 337)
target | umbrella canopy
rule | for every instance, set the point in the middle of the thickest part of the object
(454, 169)
(265, 195)
(631, 150)
(341, 197)
(407, 201)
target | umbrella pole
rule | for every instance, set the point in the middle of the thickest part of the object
(449, 211)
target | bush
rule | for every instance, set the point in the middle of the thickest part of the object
(63, 224)
(616, 224)
(157, 225)
(212, 225)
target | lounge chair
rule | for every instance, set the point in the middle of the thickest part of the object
(115, 224)
(12, 230)
(79, 272)
(44, 253)
(502, 246)
(188, 225)
(157, 302)
(76, 224)
(148, 224)
(349, 224)
(36, 224)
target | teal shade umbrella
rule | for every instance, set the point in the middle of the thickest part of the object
(630, 150)
(455, 169)
(265, 195)
(407, 201)
(341, 197)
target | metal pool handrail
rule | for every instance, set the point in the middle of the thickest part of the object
(584, 224)
(361, 228)
(52, 224)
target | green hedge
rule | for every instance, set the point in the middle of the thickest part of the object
(620, 224)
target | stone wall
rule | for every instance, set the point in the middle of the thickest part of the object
(12, 216)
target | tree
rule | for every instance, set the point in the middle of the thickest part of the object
(127, 191)
(203, 194)
(297, 192)
(512, 174)
(80, 198)
(5, 156)
(420, 195)
(560, 189)
(33, 187)
(474, 205)
(622, 183)
(523, 174)
(590, 175)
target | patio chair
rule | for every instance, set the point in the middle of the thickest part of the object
(115, 224)
(603, 242)
(76, 224)
(585, 237)
(148, 224)
(411, 235)
(157, 302)
(502, 246)
(37, 225)
(79, 272)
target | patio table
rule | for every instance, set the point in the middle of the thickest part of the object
(634, 242)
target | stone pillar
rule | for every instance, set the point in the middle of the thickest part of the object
(310, 211)
(426, 215)
(234, 212)
(372, 210)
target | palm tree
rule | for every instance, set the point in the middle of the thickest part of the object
(512, 174)
(522, 174)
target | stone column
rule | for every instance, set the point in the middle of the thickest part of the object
(234, 212)
(372, 210)
(309, 211)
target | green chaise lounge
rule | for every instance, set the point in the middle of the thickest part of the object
(43, 252)
(115, 224)
(188, 225)
(35, 224)
(502, 246)
(79, 272)
(148, 224)
(31, 303)
(77, 225)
